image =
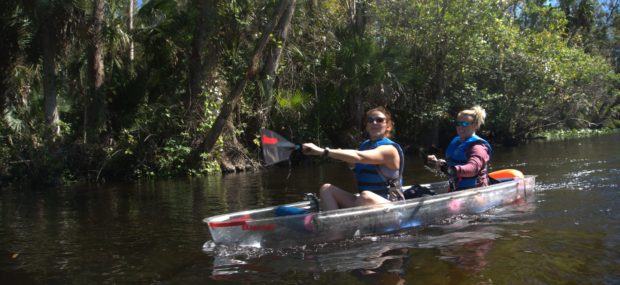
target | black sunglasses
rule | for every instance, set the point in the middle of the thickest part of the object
(371, 120)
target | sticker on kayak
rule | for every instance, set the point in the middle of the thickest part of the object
(243, 222)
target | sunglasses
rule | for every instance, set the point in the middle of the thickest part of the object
(462, 124)
(378, 120)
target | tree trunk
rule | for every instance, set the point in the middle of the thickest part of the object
(273, 59)
(49, 82)
(196, 63)
(130, 28)
(313, 6)
(439, 80)
(230, 102)
(361, 17)
(94, 111)
(8, 45)
(353, 106)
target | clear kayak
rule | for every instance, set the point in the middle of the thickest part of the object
(264, 228)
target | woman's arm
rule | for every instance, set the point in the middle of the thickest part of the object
(385, 154)
(478, 157)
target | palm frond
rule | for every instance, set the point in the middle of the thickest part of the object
(15, 124)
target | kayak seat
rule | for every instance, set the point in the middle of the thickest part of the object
(417, 191)
(287, 211)
(305, 222)
(504, 175)
(499, 180)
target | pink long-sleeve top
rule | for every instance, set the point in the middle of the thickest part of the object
(478, 158)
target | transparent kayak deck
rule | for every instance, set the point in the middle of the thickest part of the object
(262, 228)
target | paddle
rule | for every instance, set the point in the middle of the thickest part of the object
(431, 166)
(494, 177)
(275, 147)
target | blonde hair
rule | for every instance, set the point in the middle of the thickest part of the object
(477, 113)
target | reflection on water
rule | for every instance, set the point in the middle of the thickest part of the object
(152, 232)
(566, 222)
(463, 241)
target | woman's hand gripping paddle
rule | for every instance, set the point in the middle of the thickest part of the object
(275, 147)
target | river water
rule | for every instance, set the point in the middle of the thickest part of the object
(152, 232)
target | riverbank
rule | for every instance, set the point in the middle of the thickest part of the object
(71, 163)
(574, 133)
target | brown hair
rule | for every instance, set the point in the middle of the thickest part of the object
(477, 114)
(388, 119)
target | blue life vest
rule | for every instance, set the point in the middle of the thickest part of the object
(370, 177)
(455, 155)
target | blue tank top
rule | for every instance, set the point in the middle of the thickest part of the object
(374, 177)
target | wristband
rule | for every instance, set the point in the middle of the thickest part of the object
(451, 171)
(326, 151)
(444, 168)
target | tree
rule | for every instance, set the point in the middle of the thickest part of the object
(54, 23)
(204, 31)
(95, 103)
(268, 73)
(10, 46)
(230, 102)
(130, 13)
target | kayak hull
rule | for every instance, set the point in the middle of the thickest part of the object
(262, 228)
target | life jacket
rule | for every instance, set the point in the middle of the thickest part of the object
(372, 177)
(456, 155)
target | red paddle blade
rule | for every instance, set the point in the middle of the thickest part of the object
(264, 139)
(275, 147)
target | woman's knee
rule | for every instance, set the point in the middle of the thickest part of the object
(325, 187)
(369, 198)
(366, 196)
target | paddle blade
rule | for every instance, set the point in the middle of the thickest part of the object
(275, 147)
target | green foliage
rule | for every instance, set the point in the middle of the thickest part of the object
(574, 133)
(536, 66)
(170, 159)
(210, 165)
(292, 100)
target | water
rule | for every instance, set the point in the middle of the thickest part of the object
(152, 232)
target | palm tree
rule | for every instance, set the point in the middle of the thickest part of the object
(54, 23)
(9, 45)
(94, 109)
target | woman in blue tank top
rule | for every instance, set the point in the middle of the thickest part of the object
(378, 164)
